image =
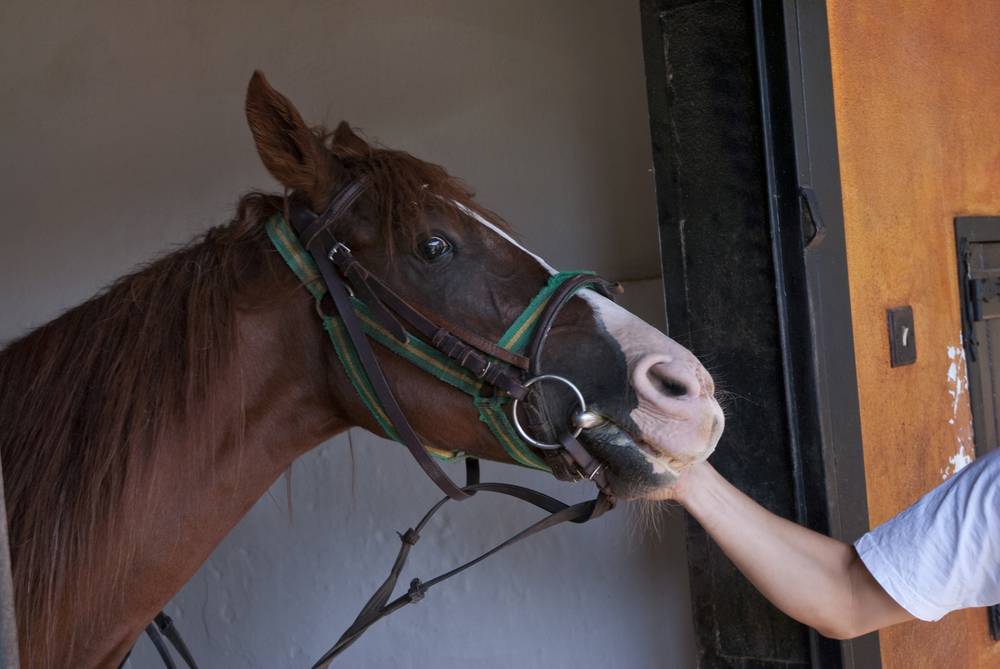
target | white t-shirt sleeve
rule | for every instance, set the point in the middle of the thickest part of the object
(943, 553)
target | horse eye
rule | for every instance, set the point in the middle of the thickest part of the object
(434, 248)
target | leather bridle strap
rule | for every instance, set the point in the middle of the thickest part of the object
(431, 326)
(363, 348)
(163, 626)
(381, 299)
(556, 302)
(375, 293)
(379, 605)
(572, 461)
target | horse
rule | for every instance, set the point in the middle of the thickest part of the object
(141, 425)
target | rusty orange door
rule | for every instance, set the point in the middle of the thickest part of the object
(917, 102)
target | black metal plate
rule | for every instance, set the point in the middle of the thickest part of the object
(902, 336)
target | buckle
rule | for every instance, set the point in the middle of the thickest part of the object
(339, 247)
(417, 591)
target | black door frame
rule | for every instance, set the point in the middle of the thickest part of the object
(785, 148)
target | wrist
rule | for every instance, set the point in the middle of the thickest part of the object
(694, 484)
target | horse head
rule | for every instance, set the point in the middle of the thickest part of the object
(650, 404)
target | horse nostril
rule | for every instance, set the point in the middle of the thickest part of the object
(671, 385)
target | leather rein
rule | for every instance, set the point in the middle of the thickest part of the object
(356, 306)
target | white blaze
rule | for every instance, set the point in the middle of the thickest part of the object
(497, 230)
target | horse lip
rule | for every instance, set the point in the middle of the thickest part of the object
(669, 463)
(638, 443)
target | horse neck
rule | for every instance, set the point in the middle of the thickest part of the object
(272, 404)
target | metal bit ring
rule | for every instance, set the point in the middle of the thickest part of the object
(527, 384)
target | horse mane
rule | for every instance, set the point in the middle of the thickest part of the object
(87, 400)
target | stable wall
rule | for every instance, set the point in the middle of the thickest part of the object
(123, 134)
(918, 121)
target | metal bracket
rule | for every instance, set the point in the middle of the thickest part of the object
(813, 228)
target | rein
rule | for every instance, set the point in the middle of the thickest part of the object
(357, 308)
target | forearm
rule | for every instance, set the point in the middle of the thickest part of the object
(817, 580)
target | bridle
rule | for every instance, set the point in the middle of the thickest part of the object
(356, 308)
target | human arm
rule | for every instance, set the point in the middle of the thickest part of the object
(815, 579)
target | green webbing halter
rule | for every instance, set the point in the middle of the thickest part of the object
(489, 405)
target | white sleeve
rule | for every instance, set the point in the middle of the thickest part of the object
(943, 553)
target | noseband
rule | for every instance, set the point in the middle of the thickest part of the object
(357, 308)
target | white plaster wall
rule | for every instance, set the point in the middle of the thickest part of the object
(121, 133)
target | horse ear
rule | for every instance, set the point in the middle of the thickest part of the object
(345, 140)
(289, 149)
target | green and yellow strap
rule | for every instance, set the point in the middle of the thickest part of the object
(422, 355)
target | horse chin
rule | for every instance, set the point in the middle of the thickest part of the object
(635, 469)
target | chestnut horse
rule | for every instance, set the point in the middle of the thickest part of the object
(140, 426)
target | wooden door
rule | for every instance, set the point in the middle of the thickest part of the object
(917, 103)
